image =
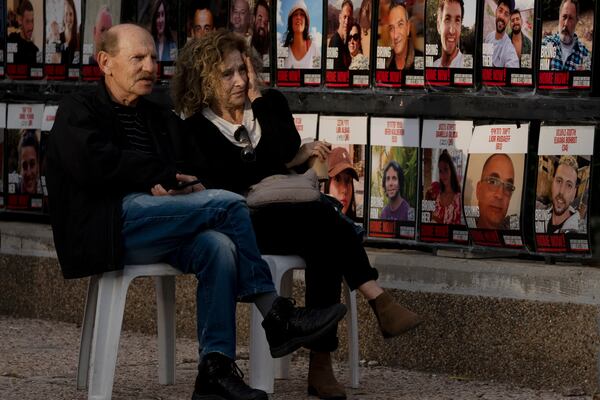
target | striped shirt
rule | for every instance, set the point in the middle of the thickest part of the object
(135, 128)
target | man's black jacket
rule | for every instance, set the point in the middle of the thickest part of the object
(90, 167)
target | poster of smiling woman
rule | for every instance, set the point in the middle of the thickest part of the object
(299, 41)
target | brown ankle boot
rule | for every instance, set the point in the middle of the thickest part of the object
(392, 317)
(321, 381)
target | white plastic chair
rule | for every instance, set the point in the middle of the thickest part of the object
(263, 368)
(102, 322)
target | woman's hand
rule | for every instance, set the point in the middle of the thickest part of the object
(307, 150)
(253, 82)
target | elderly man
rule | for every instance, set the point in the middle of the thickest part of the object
(203, 21)
(261, 38)
(503, 53)
(561, 216)
(115, 198)
(27, 51)
(494, 191)
(449, 25)
(338, 40)
(403, 53)
(569, 54)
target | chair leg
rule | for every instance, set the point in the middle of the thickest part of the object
(261, 364)
(352, 325)
(165, 309)
(87, 330)
(112, 292)
(286, 286)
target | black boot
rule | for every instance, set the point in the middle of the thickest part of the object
(288, 327)
(219, 376)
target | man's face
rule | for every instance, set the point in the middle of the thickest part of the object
(502, 17)
(26, 22)
(261, 22)
(203, 23)
(515, 23)
(392, 184)
(239, 16)
(567, 20)
(29, 169)
(103, 23)
(449, 24)
(399, 29)
(564, 189)
(494, 191)
(131, 72)
(345, 19)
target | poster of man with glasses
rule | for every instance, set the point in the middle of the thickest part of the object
(494, 185)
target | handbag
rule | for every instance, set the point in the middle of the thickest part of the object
(295, 188)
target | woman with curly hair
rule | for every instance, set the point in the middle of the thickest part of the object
(216, 88)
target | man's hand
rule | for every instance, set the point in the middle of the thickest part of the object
(159, 190)
(307, 150)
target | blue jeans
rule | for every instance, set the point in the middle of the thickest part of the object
(209, 234)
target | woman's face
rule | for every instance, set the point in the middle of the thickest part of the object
(340, 187)
(231, 90)
(160, 19)
(354, 41)
(444, 172)
(69, 17)
(298, 21)
(29, 169)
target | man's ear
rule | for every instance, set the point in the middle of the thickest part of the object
(104, 62)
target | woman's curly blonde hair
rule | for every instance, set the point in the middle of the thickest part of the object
(197, 70)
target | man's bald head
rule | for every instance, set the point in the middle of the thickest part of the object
(110, 40)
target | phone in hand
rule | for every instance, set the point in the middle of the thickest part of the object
(183, 185)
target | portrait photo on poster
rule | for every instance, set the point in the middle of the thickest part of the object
(299, 39)
(393, 191)
(63, 32)
(400, 44)
(23, 167)
(493, 191)
(25, 40)
(100, 15)
(346, 179)
(450, 33)
(567, 44)
(562, 194)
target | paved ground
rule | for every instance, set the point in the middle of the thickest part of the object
(38, 361)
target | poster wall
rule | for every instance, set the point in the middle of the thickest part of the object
(348, 138)
(3, 21)
(400, 44)
(23, 136)
(567, 41)
(299, 42)
(450, 38)
(2, 129)
(493, 191)
(394, 177)
(444, 150)
(563, 189)
(25, 39)
(508, 43)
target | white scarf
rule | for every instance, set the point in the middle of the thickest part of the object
(228, 129)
